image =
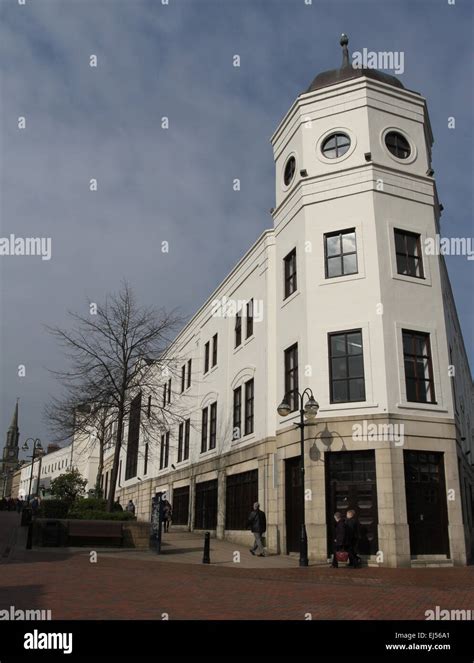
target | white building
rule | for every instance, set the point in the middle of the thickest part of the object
(346, 301)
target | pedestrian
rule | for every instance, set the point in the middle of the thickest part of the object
(352, 538)
(35, 506)
(131, 507)
(257, 523)
(339, 539)
(167, 513)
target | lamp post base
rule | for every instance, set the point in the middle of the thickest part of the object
(303, 547)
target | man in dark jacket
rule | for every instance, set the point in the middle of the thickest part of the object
(352, 538)
(257, 523)
(339, 537)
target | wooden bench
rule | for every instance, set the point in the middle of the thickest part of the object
(96, 529)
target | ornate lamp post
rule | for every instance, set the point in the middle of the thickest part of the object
(308, 413)
(36, 447)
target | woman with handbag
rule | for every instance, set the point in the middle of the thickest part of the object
(339, 553)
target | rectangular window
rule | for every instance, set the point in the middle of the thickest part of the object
(237, 417)
(187, 430)
(241, 493)
(189, 373)
(409, 256)
(238, 329)
(205, 508)
(206, 357)
(290, 273)
(214, 350)
(183, 377)
(291, 376)
(418, 367)
(164, 450)
(119, 478)
(164, 394)
(346, 367)
(341, 253)
(145, 464)
(213, 426)
(180, 442)
(204, 430)
(249, 318)
(148, 410)
(169, 390)
(249, 398)
(181, 505)
(133, 437)
(106, 484)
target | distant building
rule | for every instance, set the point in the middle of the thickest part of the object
(9, 461)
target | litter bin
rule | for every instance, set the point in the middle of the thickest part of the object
(51, 533)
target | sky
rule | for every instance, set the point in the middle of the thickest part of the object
(175, 185)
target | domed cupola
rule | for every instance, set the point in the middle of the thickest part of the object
(347, 72)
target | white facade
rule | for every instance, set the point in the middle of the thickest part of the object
(370, 192)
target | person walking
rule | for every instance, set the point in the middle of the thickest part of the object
(352, 538)
(257, 524)
(339, 538)
(167, 513)
(131, 507)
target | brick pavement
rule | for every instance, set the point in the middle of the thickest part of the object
(130, 585)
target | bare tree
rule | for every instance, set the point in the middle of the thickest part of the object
(117, 359)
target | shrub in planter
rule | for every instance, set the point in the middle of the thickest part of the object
(101, 515)
(91, 504)
(54, 509)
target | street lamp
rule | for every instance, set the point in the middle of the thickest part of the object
(308, 414)
(36, 446)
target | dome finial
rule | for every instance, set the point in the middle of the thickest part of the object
(344, 40)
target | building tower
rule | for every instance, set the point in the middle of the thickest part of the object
(365, 318)
(9, 460)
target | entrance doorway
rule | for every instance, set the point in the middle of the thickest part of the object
(293, 503)
(427, 511)
(351, 484)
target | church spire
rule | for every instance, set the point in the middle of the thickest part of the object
(14, 423)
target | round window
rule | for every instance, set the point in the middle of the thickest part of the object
(335, 145)
(398, 145)
(289, 172)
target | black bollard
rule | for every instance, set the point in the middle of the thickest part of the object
(206, 558)
(29, 537)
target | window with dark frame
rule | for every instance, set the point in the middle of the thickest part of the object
(214, 350)
(238, 329)
(169, 390)
(148, 410)
(119, 473)
(346, 366)
(249, 407)
(190, 363)
(164, 394)
(183, 377)
(290, 273)
(418, 367)
(206, 357)
(341, 253)
(241, 493)
(237, 414)
(249, 331)
(213, 426)
(164, 450)
(291, 376)
(180, 442)
(335, 145)
(204, 430)
(409, 254)
(145, 464)
(187, 430)
(398, 145)
(133, 437)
